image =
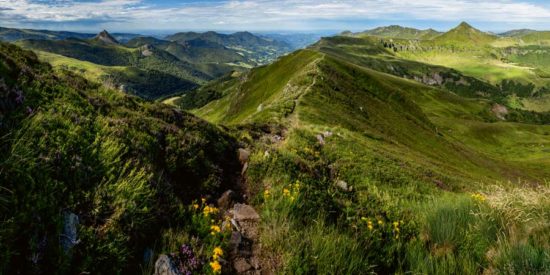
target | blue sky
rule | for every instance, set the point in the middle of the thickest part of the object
(271, 15)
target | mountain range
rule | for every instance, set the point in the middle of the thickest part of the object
(146, 66)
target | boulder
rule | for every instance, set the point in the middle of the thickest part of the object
(165, 266)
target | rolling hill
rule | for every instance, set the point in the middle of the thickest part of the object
(395, 31)
(381, 157)
(260, 50)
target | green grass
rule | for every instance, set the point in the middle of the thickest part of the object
(128, 168)
(412, 153)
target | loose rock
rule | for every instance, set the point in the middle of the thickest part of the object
(69, 238)
(244, 154)
(244, 212)
(165, 266)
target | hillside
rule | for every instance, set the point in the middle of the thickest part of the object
(395, 31)
(193, 51)
(516, 69)
(365, 167)
(146, 63)
(109, 177)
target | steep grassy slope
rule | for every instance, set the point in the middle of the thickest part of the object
(148, 84)
(356, 170)
(125, 168)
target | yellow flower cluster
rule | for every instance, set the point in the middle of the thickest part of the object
(215, 264)
(214, 229)
(293, 191)
(267, 194)
(369, 223)
(216, 267)
(396, 229)
(478, 197)
(218, 252)
(209, 210)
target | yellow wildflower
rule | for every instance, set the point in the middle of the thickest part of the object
(196, 206)
(395, 224)
(380, 222)
(286, 192)
(214, 229)
(266, 193)
(364, 219)
(203, 200)
(216, 267)
(369, 226)
(209, 210)
(478, 197)
(218, 251)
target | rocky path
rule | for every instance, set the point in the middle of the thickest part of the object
(244, 254)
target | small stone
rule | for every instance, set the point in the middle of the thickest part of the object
(241, 265)
(342, 185)
(245, 168)
(148, 255)
(320, 139)
(244, 154)
(69, 238)
(165, 266)
(236, 239)
(255, 263)
(243, 212)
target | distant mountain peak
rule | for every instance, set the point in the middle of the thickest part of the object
(106, 37)
(464, 24)
(464, 34)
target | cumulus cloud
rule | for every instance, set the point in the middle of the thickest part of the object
(265, 14)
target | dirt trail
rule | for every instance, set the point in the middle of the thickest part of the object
(245, 254)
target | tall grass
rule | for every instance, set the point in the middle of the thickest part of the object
(456, 235)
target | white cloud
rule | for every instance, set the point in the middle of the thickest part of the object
(267, 14)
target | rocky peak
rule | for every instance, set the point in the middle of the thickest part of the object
(106, 37)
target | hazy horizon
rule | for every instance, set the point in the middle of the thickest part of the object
(265, 16)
